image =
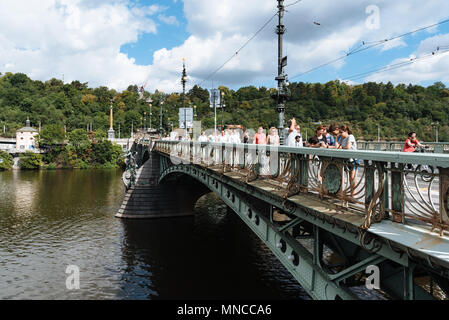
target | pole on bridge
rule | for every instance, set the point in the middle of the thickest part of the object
(183, 81)
(215, 108)
(160, 120)
(282, 92)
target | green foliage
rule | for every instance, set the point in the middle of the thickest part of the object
(396, 109)
(6, 161)
(79, 143)
(51, 134)
(30, 161)
(105, 152)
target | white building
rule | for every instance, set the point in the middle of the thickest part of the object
(26, 138)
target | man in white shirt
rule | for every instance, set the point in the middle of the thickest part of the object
(202, 137)
(295, 130)
(235, 137)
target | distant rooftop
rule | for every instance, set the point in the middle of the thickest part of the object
(27, 128)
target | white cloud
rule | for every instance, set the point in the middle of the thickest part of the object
(427, 66)
(168, 20)
(218, 28)
(82, 39)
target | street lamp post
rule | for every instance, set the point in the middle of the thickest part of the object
(183, 81)
(149, 101)
(160, 120)
(214, 92)
(282, 93)
(222, 106)
(144, 122)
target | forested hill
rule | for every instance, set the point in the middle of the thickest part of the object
(396, 109)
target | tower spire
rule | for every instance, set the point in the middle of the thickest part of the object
(111, 133)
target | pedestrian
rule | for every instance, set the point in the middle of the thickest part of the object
(260, 137)
(320, 140)
(246, 137)
(348, 142)
(273, 137)
(334, 134)
(294, 130)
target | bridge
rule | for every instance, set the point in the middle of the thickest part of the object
(304, 206)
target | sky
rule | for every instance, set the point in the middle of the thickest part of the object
(117, 43)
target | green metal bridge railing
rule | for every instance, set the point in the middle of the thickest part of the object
(434, 147)
(407, 188)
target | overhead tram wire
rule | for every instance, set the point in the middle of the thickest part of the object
(246, 43)
(398, 65)
(370, 45)
(240, 49)
(292, 4)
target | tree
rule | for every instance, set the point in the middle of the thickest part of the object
(51, 134)
(30, 160)
(102, 152)
(198, 93)
(79, 140)
(6, 161)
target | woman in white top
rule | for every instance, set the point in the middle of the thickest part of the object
(348, 142)
(273, 137)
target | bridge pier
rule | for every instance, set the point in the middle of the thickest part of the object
(147, 199)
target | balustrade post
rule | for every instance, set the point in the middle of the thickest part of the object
(369, 184)
(304, 172)
(444, 197)
(386, 192)
(397, 192)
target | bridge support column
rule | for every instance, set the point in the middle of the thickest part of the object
(147, 199)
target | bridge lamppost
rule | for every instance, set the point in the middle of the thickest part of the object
(183, 81)
(144, 122)
(195, 115)
(111, 134)
(282, 93)
(436, 124)
(222, 105)
(160, 120)
(149, 101)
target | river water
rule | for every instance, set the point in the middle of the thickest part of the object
(52, 219)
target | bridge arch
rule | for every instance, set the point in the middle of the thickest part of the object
(250, 213)
(186, 183)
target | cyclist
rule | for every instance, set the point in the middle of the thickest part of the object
(412, 143)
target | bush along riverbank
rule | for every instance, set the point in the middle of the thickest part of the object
(6, 161)
(81, 152)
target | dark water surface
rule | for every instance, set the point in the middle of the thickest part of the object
(52, 219)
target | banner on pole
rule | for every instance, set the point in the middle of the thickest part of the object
(185, 117)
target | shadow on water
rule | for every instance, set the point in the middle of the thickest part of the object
(210, 256)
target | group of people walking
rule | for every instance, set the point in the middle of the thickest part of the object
(331, 137)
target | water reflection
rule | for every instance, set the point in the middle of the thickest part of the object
(211, 256)
(52, 219)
